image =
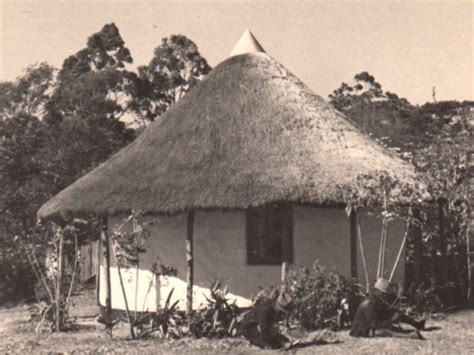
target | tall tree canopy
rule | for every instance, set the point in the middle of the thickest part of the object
(175, 68)
(84, 113)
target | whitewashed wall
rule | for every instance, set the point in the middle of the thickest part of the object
(220, 253)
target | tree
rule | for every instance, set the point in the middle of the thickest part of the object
(85, 111)
(28, 94)
(437, 138)
(384, 115)
(21, 136)
(446, 165)
(175, 68)
(22, 188)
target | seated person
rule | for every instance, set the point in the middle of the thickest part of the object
(375, 317)
(259, 324)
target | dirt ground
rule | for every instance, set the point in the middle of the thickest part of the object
(454, 335)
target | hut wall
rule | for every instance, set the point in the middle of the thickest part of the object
(220, 253)
(321, 234)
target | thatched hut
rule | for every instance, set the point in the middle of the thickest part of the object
(252, 169)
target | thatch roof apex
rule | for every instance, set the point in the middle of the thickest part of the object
(250, 133)
(247, 44)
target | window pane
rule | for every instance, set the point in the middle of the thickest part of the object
(267, 233)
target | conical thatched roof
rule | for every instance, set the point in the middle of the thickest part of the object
(249, 134)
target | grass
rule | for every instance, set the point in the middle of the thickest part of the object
(454, 336)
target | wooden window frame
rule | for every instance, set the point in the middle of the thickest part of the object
(286, 232)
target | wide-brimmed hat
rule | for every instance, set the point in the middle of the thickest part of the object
(383, 285)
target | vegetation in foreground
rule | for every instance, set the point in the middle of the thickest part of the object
(454, 336)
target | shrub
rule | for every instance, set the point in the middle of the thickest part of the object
(421, 298)
(218, 318)
(316, 294)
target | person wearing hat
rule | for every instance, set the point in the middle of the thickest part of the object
(258, 324)
(374, 317)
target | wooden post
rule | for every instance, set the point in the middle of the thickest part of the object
(353, 244)
(97, 271)
(189, 261)
(284, 270)
(104, 234)
(60, 277)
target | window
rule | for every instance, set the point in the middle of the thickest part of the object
(269, 234)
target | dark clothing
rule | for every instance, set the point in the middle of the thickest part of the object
(373, 314)
(258, 327)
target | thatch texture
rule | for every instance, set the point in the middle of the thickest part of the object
(249, 134)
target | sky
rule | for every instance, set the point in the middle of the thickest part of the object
(410, 47)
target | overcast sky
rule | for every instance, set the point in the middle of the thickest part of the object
(410, 47)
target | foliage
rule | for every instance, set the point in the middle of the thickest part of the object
(421, 299)
(55, 277)
(43, 316)
(28, 94)
(167, 322)
(175, 68)
(437, 138)
(83, 116)
(218, 318)
(316, 294)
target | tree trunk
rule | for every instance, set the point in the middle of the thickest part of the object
(189, 261)
(353, 246)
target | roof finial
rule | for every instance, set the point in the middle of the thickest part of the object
(247, 44)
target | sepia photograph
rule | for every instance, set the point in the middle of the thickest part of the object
(236, 177)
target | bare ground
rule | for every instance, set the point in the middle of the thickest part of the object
(454, 336)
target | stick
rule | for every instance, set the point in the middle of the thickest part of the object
(132, 333)
(384, 247)
(400, 252)
(380, 252)
(76, 261)
(362, 253)
(39, 274)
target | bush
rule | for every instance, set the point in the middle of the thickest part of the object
(316, 294)
(421, 298)
(216, 319)
(16, 276)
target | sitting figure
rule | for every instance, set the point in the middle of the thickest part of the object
(375, 317)
(259, 324)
